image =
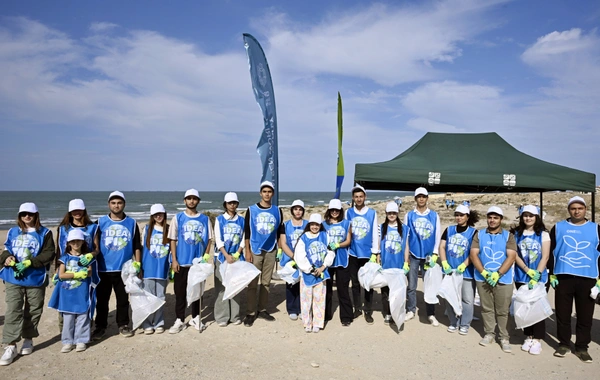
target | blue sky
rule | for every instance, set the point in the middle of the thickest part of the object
(154, 95)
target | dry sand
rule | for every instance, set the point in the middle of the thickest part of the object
(282, 349)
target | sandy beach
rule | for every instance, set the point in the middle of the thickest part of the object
(282, 349)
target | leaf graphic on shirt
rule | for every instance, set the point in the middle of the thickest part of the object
(575, 258)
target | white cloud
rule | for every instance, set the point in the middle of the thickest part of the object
(102, 26)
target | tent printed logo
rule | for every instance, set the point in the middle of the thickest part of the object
(265, 223)
(71, 266)
(393, 242)
(232, 233)
(336, 234)
(434, 178)
(423, 227)
(493, 260)
(360, 227)
(24, 246)
(316, 252)
(575, 257)
(192, 232)
(157, 249)
(509, 180)
(457, 246)
(116, 237)
(530, 249)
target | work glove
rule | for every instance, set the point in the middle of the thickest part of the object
(533, 274)
(446, 267)
(485, 274)
(80, 275)
(171, 275)
(236, 256)
(493, 278)
(433, 260)
(293, 264)
(553, 281)
(461, 268)
(373, 258)
(86, 259)
(137, 266)
(531, 284)
(20, 267)
(406, 268)
(598, 284)
(333, 245)
(55, 279)
(279, 254)
(205, 258)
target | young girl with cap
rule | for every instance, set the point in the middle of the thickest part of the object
(288, 236)
(394, 251)
(533, 252)
(28, 250)
(229, 234)
(339, 238)
(156, 264)
(313, 257)
(455, 247)
(72, 298)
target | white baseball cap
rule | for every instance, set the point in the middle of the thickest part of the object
(75, 234)
(157, 208)
(268, 184)
(391, 207)
(421, 191)
(191, 193)
(116, 194)
(231, 197)
(315, 218)
(28, 207)
(530, 209)
(335, 204)
(462, 209)
(358, 188)
(576, 199)
(298, 203)
(76, 204)
(495, 210)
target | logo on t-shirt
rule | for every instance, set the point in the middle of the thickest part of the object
(457, 246)
(157, 249)
(360, 227)
(530, 249)
(265, 223)
(72, 265)
(232, 233)
(116, 237)
(316, 251)
(393, 242)
(423, 227)
(192, 232)
(335, 234)
(24, 247)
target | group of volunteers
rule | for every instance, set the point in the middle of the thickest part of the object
(89, 258)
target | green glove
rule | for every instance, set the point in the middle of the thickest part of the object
(334, 245)
(446, 267)
(20, 267)
(533, 274)
(86, 259)
(553, 281)
(373, 258)
(205, 258)
(279, 254)
(598, 284)
(80, 275)
(461, 268)
(171, 275)
(485, 274)
(406, 268)
(293, 264)
(137, 266)
(433, 260)
(55, 279)
(236, 256)
(493, 278)
(532, 283)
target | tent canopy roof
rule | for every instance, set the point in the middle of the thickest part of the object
(477, 162)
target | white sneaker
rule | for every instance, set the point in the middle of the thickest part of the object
(463, 330)
(536, 347)
(67, 348)
(452, 329)
(27, 347)
(159, 330)
(409, 315)
(505, 346)
(315, 329)
(149, 331)
(434, 322)
(307, 330)
(527, 344)
(177, 327)
(10, 353)
(80, 347)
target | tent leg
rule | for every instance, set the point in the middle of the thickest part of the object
(542, 205)
(594, 206)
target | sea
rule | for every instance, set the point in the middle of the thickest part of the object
(53, 205)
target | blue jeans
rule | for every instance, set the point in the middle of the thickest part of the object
(413, 278)
(292, 298)
(468, 295)
(76, 328)
(157, 288)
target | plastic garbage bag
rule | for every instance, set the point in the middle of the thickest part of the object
(236, 277)
(396, 281)
(143, 303)
(451, 291)
(370, 277)
(198, 273)
(531, 305)
(432, 282)
(594, 292)
(289, 274)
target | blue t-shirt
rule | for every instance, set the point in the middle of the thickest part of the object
(492, 253)
(292, 233)
(116, 243)
(72, 296)
(316, 251)
(393, 246)
(421, 240)
(458, 248)
(337, 233)
(529, 249)
(231, 234)
(576, 251)
(25, 246)
(156, 257)
(264, 225)
(362, 232)
(192, 237)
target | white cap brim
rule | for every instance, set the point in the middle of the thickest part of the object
(231, 197)
(75, 234)
(421, 191)
(391, 207)
(297, 203)
(530, 209)
(157, 208)
(358, 188)
(28, 207)
(192, 193)
(116, 194)
(267, 184)
(576, 199)
(495, 210)
(76, 204)
(462, 209)
(335, 204)
(315, 218)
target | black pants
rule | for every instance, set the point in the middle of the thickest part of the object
(385, 300)
(354, 265)
(180, 287)
(342, 280)
(292, 298)
(108, 282)
(576, 288)
(538, 330)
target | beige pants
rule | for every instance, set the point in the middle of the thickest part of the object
(265, 262)
(495, 304)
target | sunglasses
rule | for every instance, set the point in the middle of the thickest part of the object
(29, 214)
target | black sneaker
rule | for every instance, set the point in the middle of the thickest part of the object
(249, 320)
(583, 356)
(357, 313)
(125, 331)
(266, 316)
(346, 324)
(562, 351)
(369, 318)
(98, 334)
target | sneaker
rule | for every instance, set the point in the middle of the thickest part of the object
(266, 316)
(487, 339)
(10, 353)
(315, 329)
(463, 330)
(409, 315)
(536, 347)
(346, 324)
(562, 351)
(249, 320)
(294, 317)
(527, 344)
(433, 320)
(237, 322)
(452, 329)
(177, 327)
(27, 347)
(80, 347)
(195, 322)
(98, 334)
(357, 313)
(387, 319)
(369, 318)
(159, 330)
(222, 324)
(66, 348)
(505, 346)
(307, 330)
(583, 356)
(149, 331)
(125, 331)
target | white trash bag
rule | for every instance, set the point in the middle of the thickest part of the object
(531, 306)
(370, 277)
(198, 273)
(396, 280)
(143, 303)
(594, 292)
(451, 291)
(432, 281)
(289, 274)
(236, 277)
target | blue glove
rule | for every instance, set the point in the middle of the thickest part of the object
(20, 267)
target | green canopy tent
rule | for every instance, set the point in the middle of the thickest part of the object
(476, 163)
